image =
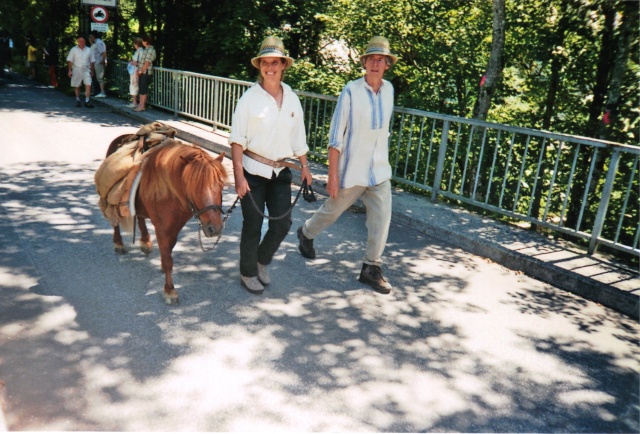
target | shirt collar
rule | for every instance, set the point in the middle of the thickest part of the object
(368, 86)
(285, 88)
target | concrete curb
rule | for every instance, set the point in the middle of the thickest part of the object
(598, 292)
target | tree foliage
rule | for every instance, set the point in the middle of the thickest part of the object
(558, 69)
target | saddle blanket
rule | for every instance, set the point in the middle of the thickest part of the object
(115, 177)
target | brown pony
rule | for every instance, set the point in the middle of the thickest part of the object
(179, 181)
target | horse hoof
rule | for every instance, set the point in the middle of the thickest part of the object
(145, 248)
(172, 300)
(119, 249)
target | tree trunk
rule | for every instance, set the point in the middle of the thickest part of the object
(142, 15)
(593, 129)
(494, 67)
(628, 28)
(557, 61)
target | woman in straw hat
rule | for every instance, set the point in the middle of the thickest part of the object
(267, 127)
(359, 161)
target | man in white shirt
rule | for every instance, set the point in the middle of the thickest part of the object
(99, 50)
(359, 161)
(80, 63)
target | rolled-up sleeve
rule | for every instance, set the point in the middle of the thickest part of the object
(298, 134)
(339, 121)
(239, 125)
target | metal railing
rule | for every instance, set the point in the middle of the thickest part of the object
(585, 188)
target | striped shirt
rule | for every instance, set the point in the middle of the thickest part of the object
(360, 131)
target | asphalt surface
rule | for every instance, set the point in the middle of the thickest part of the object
(86, 342)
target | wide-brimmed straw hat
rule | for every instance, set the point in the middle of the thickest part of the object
(379, 45)
(272, 46)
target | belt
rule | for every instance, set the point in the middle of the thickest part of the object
(272, 163)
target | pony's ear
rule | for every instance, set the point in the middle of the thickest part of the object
(220, 157)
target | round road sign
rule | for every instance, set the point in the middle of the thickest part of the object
(99, 14)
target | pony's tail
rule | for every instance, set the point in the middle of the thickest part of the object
(126, 224)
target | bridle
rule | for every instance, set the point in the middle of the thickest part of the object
(305, 190)
(197, 212)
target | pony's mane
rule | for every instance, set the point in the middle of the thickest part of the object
(181, 170)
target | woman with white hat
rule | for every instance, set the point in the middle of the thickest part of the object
(359, 161)
(267, 127)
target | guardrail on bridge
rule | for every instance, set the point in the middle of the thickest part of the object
(585, 188)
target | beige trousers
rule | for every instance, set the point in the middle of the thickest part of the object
(377, 201)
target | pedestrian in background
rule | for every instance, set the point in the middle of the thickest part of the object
(31, 59)
(51, 61)
(145, 71)
(132, 69)
(359, 161)
(5, 52)
(80, 63)
(267, 126)
(99, 50)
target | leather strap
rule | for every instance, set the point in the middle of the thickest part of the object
(271, 163)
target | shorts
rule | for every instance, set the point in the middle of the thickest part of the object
(143, 83)
(99, 67)
(79, 76)
(31, 64)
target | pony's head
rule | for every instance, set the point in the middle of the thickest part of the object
(204, 178)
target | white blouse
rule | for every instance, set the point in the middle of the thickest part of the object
(259, 126)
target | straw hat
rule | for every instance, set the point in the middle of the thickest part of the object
(379, 45)
(272, 46)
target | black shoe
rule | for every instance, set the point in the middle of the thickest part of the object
(78, 104)
(88, 105)
(372, 276)
(305, 245)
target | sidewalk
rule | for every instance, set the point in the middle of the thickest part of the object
(558, 262)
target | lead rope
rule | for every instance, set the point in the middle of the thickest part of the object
(309, 196)
(263, 215)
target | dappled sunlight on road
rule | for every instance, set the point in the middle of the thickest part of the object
(461, 344)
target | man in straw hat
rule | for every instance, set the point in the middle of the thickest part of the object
(267, 127)
(359, 161)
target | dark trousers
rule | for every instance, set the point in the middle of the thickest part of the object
(275, 193)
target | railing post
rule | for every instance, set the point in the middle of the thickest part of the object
(216, 106)
(444, 139)
(604, 202)
(176, 93)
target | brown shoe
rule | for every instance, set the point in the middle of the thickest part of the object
(306, 245)
(372, 276)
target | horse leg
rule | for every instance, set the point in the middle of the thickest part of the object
(118, 245)
(145, 238)
(166, 243)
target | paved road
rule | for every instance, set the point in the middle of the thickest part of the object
(86, 343)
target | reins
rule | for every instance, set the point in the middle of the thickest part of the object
(308, 195)
(305, 190)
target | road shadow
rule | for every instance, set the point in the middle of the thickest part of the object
(453, 348)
